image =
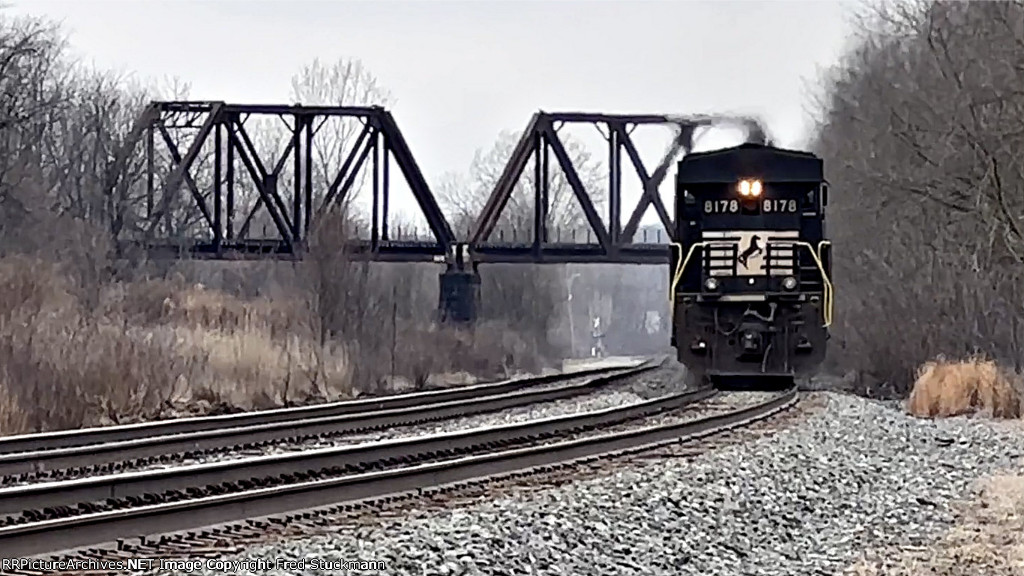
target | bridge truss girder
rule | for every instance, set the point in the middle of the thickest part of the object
(614, 243)
(225, 226)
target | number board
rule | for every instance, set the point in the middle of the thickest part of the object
(768, 206)
(775, 205)
(724, 206)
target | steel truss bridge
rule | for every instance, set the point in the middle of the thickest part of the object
(221, 223)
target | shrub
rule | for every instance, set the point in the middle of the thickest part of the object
(952, 388)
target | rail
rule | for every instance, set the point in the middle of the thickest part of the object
(98, 435)
(92, 458)
(354, 458)
(48, 536)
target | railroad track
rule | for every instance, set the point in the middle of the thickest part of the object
(127, 448)
(180, 500)
(104, 434)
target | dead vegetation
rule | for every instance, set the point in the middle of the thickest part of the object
(922, 127)
(155, 349)
(954, 388)
(161, 348)
(89, 336)
(987, 539)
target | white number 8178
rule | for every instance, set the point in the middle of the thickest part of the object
(721, 206)
(778, 205)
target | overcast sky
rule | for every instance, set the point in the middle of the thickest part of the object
(463, 71)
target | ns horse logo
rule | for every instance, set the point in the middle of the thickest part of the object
(753, 248)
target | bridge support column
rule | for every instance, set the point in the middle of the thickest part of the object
(459, 294)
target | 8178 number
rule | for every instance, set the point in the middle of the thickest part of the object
(769, 205)
(721, 206)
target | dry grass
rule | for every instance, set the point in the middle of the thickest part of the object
(159, 349)
(952, 388)
(149, 350)
(988, 539)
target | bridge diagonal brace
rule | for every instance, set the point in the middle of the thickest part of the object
(241, 137)
(528, 143)
(320, 124)
(350, 176)
(650, 184)
(172, 147)
(174, 180)
(286, 154)
(346, 167)
(403, 155)
(259, 179)
(578, 189)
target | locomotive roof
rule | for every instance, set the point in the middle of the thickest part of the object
(750, 161)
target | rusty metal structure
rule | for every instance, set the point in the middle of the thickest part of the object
(290, 204)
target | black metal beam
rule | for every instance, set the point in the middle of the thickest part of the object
(228, 227)
(541, 138)
(530, 141)
(571, 254)
(417, 251)
(226, 230)
(651, 183)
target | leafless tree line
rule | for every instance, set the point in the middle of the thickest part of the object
(922, 131)
(115, 339)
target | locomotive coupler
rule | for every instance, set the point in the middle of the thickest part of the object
(751, 342)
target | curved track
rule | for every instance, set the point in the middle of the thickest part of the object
(117, 456)
(63, 439)
(175, 500)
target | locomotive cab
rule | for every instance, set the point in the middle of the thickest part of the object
(750, 284)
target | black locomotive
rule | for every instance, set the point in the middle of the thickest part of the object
(750, 276)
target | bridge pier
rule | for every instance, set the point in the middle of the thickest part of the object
(459, 294)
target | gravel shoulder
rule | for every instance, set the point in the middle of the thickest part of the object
(988, 538)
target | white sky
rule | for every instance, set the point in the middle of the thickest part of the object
(463, 71)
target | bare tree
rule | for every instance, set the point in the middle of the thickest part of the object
(344, 82)
(32, 90)
(112, 349)
(463, 197)
(922, 129)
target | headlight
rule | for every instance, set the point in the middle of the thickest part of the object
(789, 283)
(711, 284)
(749, 188)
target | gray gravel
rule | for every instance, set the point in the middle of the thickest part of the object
(804, 501)
(611, 396)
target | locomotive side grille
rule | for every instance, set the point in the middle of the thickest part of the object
(781, 259)
(720, 259)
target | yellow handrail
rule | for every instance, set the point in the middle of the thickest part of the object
(826, 282)
(830, 303)
(678, 274)
(816, 254)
